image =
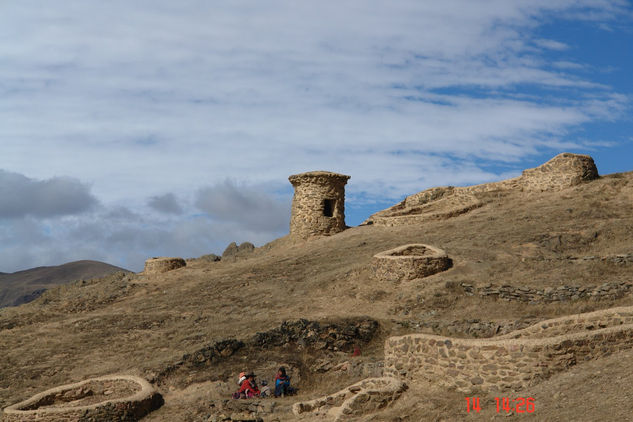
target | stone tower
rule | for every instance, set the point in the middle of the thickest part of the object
(318, 206)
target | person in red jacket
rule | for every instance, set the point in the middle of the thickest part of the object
(249, 387)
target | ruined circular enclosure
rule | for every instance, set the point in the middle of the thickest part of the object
(109, 398)
(409, 262)
(163, 264)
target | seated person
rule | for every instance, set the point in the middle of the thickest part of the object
(241, 378)
(282, 383)
(248, 388)
(265, 390)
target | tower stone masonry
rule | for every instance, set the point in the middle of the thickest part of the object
(318, 205)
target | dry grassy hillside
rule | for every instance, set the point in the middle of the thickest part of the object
(169, 328)
(26, 285)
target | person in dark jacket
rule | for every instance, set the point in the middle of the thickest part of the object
(282, 383)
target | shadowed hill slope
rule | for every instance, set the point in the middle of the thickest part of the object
(191, 330)
(24, 286)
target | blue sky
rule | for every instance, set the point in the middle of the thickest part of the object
(132, 129)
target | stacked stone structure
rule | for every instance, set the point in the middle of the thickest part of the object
(514, 360)
(409, 262)
(162, 265)
(605, 291)
(560, 172)
(318, 205)
(109, 398)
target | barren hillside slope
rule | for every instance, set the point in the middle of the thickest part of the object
(191, 330)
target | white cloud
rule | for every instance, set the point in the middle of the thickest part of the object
(551, 44)
(564, 64)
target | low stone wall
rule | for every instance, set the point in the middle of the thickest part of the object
(403, 220)
(366, 396)
(610, 291)
(619, 259)
(409, 262)
(162, 265)
(512, 361)
(104, 399)
(471, 328)
(579, 323)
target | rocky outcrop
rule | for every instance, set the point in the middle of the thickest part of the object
(209, 258)
(341, 336)
(335, 336)
(233, 251)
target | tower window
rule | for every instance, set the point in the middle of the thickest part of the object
(328, 207)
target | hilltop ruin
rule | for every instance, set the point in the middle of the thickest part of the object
(318, 205)
(561, 172)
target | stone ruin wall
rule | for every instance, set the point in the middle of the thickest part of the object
(512, 361)
(162, 265)
(531, 295)
(41, 407)
(311, 189)
(366, 396)
(561, 172)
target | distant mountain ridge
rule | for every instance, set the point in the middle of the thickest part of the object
(27, 285)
